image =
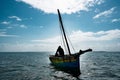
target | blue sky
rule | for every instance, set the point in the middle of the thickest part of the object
(32, 25)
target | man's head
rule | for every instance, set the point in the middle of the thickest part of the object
(59, 47)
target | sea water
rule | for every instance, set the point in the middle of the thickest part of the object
(36, 66)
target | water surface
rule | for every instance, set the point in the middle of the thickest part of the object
(36, 66)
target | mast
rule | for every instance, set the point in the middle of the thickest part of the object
(60, 19)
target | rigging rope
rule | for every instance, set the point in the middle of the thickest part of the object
(63, 40)
(71, 44)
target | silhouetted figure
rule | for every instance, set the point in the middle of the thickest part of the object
(59, 52)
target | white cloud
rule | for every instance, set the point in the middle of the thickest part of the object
(15, 17)
(4, 34)
(65, 6)
(116, 20)
(5, 22)
(104, 13)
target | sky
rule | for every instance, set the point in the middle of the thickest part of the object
(33, 25)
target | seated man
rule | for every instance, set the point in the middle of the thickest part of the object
(59, 52)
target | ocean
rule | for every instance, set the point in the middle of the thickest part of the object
(36, 66)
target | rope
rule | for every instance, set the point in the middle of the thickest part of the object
(71, 44)
(63, 40)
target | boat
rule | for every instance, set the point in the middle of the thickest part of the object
(69, 63)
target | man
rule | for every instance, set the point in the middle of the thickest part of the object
(59, 52)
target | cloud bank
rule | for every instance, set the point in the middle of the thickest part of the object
(65, 6)
(101, 40)
(78, 36)
(85, 40)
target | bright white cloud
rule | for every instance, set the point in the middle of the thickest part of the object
(104, 13)
(65, 6)
(4, 34)
(116, 20)
(5, 22)
(15, 17)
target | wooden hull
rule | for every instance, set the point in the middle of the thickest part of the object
(67, 63)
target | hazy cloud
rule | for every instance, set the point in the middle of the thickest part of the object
(23, 26)
(15, 17)
(104, 13)
(16, 26)
(97, 10)
(65, 6)
(24, 47)
(4, 34)
(5, 22)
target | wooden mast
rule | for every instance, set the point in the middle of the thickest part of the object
(60, 19)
